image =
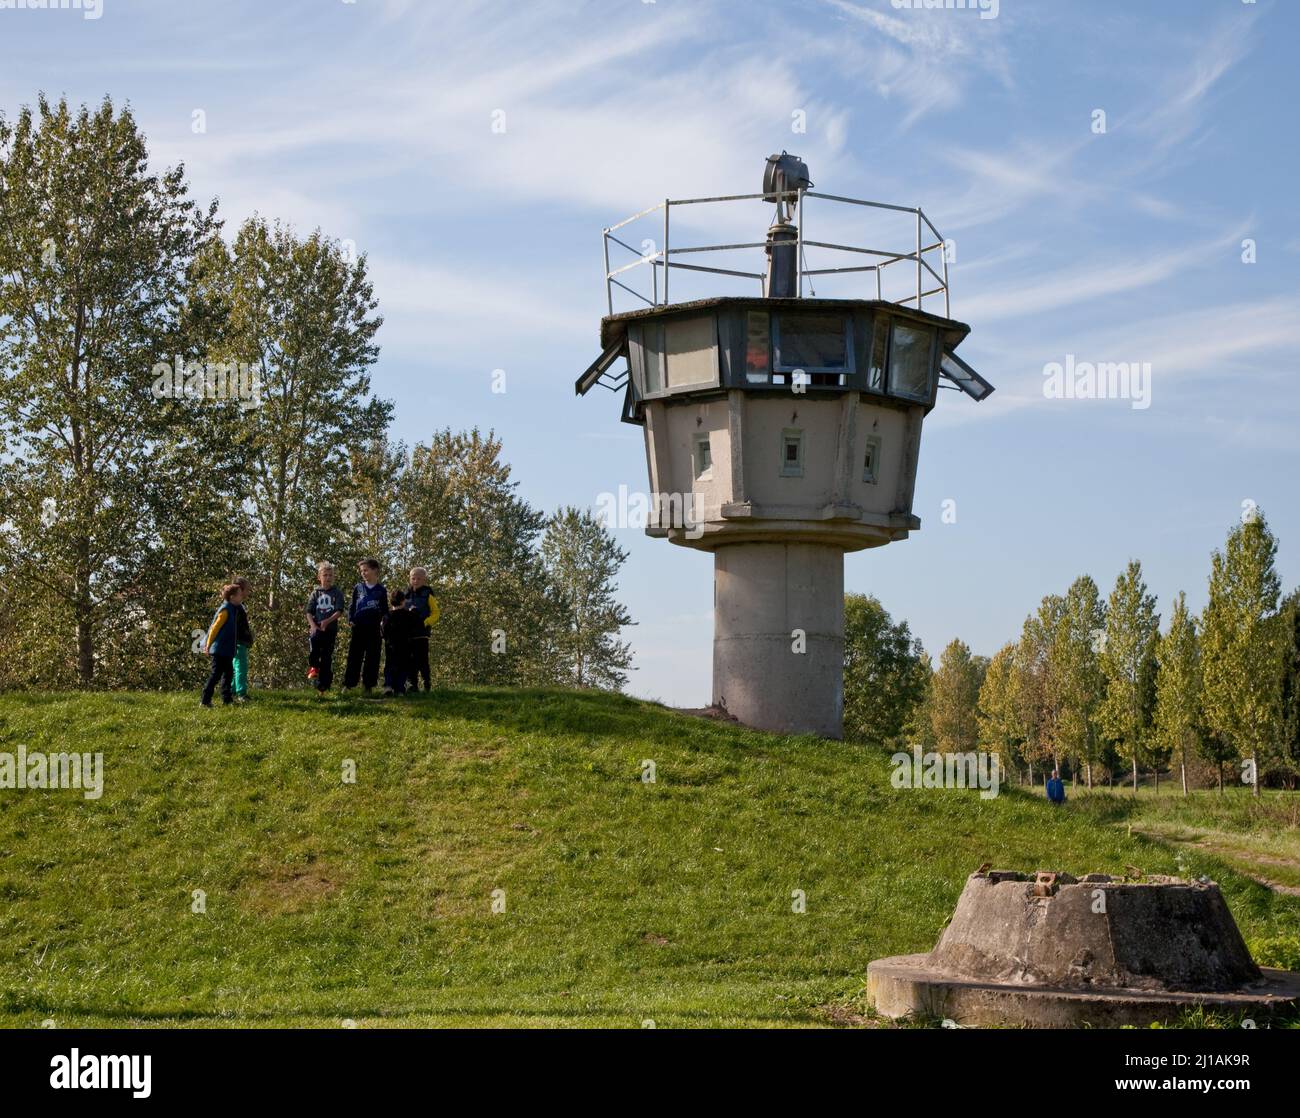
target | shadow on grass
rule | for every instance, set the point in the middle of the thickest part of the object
(542, 710)
(217, 1018)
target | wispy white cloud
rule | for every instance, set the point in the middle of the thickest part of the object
(922, 60)
(1180, 110)
(1068, 286)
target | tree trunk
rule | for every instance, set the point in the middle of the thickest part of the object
(1135, 775)
(1088, 774)
(82, 605)
(1184, 768)
(1220, 768)
(1157, 772)
(1254, 772)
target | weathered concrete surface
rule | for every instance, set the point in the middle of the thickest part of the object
(769, 600)
(1063, 952)
(906, 985)
(1096, 933)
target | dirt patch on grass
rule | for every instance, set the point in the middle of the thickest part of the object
(286, 891)
(849, 1016)
(713, 713)
(1253, 863)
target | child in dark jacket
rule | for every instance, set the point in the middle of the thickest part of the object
(223, 635)
(324, 608)
(400, 629)
(366, 612)
(420, 601)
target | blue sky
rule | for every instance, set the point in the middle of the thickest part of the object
(373, 120)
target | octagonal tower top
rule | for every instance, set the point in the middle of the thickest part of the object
(812, 339)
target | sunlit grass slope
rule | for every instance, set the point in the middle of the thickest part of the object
(372, 901)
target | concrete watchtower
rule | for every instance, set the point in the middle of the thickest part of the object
(782, 431)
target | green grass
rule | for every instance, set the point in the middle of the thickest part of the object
(1259, 836)
(372, 902)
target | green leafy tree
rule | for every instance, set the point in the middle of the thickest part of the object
(1240, 644)
(1289, 742)
(918, 728)
(999, 716)
(1178, 688)
(1074, 677)
(503, 620)
(301, 317)
(884, 675)
(954, 699)
(95, 253)
(583, 562)
(1034, 693)
(1127, 656)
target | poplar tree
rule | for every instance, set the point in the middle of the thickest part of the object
(1127, 656)
(1241, 646)
(999, 715)
(1289, 742)
(954, 699)
(1178, 687)
(1035, 695)
(1074, 676)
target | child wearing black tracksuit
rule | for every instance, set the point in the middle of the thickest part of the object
(366, 612)
(400, 629)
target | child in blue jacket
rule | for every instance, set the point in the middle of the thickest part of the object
(366, 612)
(223, 635)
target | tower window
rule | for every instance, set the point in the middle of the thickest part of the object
(703, 458)
(910, 362)
(818, 344)
(871, 460)
(791, 453)
(757, 342)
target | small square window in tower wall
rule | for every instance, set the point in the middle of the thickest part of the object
(791, 452)
(871, 460)
(703, 457)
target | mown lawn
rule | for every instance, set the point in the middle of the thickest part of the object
(372, 902)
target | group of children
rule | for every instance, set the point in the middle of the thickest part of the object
(395, 624)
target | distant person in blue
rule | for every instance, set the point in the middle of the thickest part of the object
(366, 613)
(1056, 788)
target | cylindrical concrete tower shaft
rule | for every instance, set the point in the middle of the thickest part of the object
(778, 640)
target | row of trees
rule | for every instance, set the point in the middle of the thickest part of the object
(1094, 685)
(176, 408)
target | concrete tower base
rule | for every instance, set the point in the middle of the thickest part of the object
(778, 636)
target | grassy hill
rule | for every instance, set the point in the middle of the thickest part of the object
(371, 901)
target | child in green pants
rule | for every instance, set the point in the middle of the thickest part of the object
(243, 642)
